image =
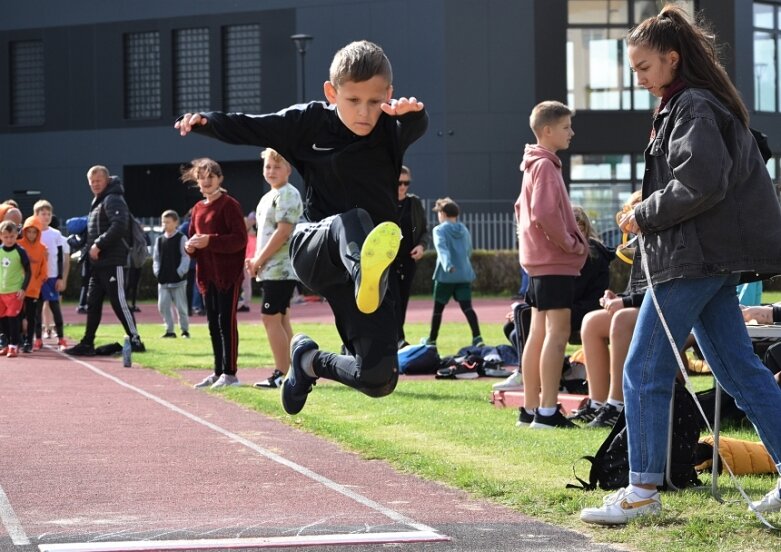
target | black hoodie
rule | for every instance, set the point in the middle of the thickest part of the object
(108, 226)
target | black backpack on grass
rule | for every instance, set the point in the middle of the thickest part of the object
(610, 465)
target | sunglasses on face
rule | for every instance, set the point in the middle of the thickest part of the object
(404, 182)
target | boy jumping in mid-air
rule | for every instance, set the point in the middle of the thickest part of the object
(349, 153)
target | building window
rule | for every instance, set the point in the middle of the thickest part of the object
(241, 66)
(766, 52)
(598, 75)
(601, 184)
(191, 70)
(28, 96)
(142, 76)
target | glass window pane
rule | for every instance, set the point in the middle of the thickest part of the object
(610, 12)
(763, 15)
(645, 9)
(142, 76)
(602, 201)
(595, 66)
(649, 8)
(764, 72)
(28, 98)
(191, 70)
(241, 66)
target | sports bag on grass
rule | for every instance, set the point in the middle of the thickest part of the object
(418, 359)
(610, 465)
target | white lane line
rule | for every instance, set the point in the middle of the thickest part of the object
(263, 542)
(306, 472)
(11, 522)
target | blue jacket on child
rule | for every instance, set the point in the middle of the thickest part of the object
(454, 247)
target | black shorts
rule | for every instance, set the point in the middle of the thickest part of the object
(551, 292)
(276, 295)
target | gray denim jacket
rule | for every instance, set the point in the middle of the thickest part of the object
(709, 204)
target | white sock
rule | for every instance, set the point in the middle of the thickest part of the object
(596, 405)
(641, 492)
(617, 404)
(546, 410)
(306, 362)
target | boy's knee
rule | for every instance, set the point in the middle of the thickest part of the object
(382, 378)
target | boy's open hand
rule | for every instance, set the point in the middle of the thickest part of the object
(188, 121)
(402, 106)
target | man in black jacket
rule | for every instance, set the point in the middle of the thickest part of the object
(107, 238)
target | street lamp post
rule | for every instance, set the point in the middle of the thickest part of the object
(302, 43)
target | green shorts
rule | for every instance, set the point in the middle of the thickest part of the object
(460, 292)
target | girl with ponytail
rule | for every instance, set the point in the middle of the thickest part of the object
(709, 219)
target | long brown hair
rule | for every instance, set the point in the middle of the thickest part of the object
(699, 66)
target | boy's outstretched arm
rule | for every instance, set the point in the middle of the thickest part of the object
(402, 106)
(189, 120)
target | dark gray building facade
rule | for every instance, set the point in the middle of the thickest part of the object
(101, 82)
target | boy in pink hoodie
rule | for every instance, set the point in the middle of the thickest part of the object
(552, 251)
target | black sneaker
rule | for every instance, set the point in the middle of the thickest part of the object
(273, 382)
(186, 335)
(557, 419)
(169, 335)
(525, 418)
(607, 416)
(297, 384)
(136, 345)
(585, 413)
(27, 347)
(81, 310)
(81, 349)
(243, 308)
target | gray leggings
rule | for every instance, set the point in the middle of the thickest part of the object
(167, 297)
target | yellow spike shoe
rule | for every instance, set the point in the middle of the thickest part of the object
(377, 253)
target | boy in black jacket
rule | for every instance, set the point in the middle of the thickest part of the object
(349, 153)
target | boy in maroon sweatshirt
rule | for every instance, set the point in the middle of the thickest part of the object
(552, 251)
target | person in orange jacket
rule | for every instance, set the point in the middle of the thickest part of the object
(39, 271)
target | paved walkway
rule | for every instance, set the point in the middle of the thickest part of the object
(100, 457)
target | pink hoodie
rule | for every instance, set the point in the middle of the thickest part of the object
(550, 242)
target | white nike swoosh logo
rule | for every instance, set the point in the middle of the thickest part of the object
(317, 148)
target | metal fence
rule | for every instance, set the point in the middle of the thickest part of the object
(489, 230)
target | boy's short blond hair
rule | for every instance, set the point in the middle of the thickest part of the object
(548, 113)
(42, 204)
(358, 62)
(8, 226)
(274, 155)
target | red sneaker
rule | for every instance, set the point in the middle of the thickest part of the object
(37, 345)
(12, 351)
(62, 344)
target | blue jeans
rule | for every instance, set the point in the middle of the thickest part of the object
(709, 306)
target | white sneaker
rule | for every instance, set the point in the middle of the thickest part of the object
(771, 502)
(225, 381)
(514, 382)
(618, 508)
(208, 381)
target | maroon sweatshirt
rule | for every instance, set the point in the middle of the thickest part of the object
(222, 261)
